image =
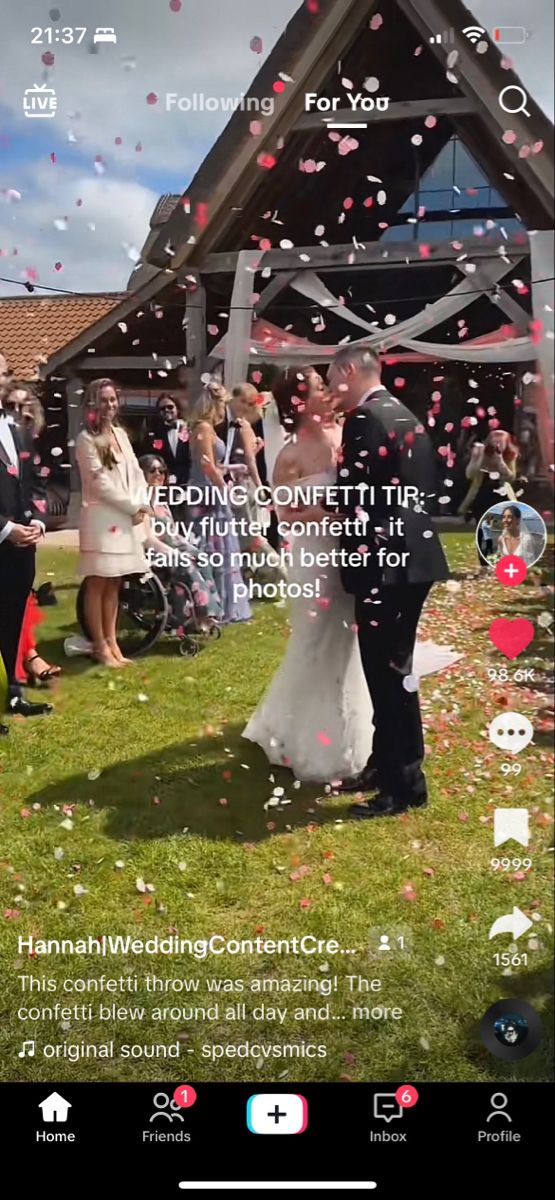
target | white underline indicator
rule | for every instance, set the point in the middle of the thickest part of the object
(276, 1185)
(346, 125)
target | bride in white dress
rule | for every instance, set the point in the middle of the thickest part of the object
(316, 716)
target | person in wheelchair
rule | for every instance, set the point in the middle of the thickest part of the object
(188, 584)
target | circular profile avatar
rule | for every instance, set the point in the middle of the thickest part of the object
(511, 1029)
(511, 529)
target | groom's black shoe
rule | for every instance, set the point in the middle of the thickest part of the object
(386, 806)
(20, 707)
(366, 780)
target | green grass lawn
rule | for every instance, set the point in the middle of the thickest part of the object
(141, 775)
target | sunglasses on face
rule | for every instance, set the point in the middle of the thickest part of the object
(156, 471)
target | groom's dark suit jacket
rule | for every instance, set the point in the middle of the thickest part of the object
(385, 445)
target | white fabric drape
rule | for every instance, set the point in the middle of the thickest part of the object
(460, 297)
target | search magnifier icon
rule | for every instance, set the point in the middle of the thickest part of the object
(517, 103)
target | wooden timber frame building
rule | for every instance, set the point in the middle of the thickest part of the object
(256, 204)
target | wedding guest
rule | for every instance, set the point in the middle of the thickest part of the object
(187, 574)
(208, 454)
(169, 437)
(491, 465)
(113, 505)
(242, 448)
(26, 412)
(22, 504)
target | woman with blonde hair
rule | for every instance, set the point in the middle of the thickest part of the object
(208, 453)
(113, 504)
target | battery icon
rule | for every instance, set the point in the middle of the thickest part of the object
(510, 35)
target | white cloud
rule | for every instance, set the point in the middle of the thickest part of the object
(112, 214)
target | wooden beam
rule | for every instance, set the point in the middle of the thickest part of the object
(195, 331)
(502, 299)
(231, 168)
(279, 282)
(370, 256)
(127, 362)
(400, 110)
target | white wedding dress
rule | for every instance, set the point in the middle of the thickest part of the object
(316, 716)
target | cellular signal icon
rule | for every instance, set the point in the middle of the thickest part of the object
(474, 33)
(446, 38)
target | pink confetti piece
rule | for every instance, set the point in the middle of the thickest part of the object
(175, 6)
(376, 22)
(278, 86)
(47, 58)
(152, 98)
(509, 137)
(267, 161)
(324, 739)
(255, 45)
(430, 122)
(255, 128)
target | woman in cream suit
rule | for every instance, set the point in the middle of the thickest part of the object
(113, 504)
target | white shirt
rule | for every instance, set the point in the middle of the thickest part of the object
(8, 442)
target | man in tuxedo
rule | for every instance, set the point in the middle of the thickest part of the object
(22, 501)
(393, 566)
(169, 439)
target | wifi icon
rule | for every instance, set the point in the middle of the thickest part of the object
(473, 33)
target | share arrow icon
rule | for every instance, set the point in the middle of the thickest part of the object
(515, 923)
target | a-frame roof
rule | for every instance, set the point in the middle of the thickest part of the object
(309, 51)
(223, 205)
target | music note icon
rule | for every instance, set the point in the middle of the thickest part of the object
(25, 1052)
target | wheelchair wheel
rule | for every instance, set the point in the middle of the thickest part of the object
(142, 614)
(188, 648)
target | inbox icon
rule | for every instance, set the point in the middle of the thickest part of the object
(277, 1112)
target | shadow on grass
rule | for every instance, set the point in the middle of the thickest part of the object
(214, 786)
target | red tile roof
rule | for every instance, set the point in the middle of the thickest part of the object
(33, 327)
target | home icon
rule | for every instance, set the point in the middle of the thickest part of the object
(54, 1108)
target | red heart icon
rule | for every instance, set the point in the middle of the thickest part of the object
(511, 637)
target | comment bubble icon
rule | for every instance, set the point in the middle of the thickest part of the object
(386, 1107)
(511, 731)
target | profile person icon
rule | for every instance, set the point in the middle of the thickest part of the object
(162, 1103)
(384, 942)
(499, 1102)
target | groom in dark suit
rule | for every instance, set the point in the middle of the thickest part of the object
(22, 506)
(387, 456)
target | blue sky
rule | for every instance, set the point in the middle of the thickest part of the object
(79, 221)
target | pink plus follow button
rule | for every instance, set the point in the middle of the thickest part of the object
(406, 1095)
(511, 570)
